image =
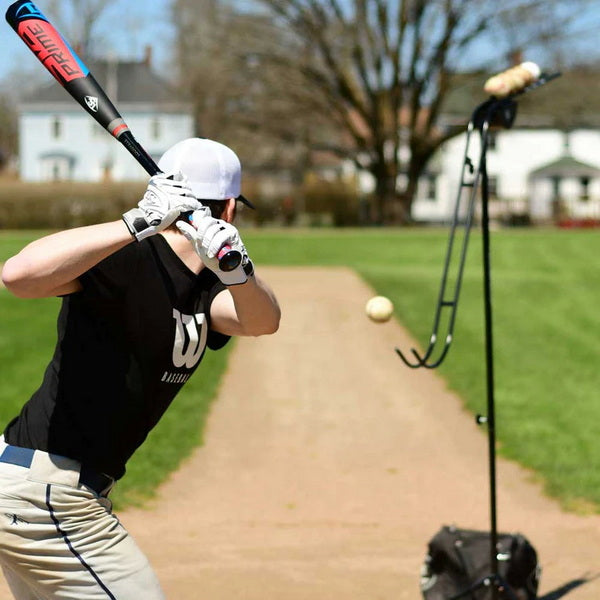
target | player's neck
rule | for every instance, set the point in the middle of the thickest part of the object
(182, 247)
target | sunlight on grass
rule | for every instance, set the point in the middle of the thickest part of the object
(545, 287)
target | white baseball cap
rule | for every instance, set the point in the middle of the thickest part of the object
(213, 170)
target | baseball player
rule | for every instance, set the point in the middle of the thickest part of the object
(142, 298)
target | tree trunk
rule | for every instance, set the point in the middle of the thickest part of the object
(402, 208)
(393, 207)
(385, 198)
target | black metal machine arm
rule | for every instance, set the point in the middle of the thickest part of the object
(497, 113)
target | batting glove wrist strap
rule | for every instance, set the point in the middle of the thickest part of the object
(135, 219)
(240, 275)
(249, 268)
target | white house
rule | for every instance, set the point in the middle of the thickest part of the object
(60, 141)
(546, 167)
(544, 173)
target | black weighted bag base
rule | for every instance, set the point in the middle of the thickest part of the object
(457, 566)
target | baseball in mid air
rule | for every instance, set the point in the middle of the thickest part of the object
(379, 309)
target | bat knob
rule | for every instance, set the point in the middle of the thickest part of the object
(229, 259)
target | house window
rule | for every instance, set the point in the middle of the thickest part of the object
(156, 128)
(556, 181)
(493, 186)
(585, 188)
(56, 127)
(430, 187)
(56, 168)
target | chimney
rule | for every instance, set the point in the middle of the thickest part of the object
(148, 56)
(515, 57)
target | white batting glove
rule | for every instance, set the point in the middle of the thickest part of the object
(208, 235)
(166, 197)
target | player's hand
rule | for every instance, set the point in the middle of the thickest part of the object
(208, 235)
(166, 197)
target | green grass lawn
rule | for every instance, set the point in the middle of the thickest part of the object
(545, 285)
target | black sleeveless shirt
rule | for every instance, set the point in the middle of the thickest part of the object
(126, 345)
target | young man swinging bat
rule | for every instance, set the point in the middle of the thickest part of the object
(142, 298)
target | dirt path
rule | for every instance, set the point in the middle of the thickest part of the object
(328, 465)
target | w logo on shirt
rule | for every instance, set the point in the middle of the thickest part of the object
(190, 339)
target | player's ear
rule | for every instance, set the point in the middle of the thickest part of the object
(229, 211)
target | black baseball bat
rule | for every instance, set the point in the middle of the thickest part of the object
(55, 53)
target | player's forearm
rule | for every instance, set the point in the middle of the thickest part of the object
(51, 265)
(256, 307)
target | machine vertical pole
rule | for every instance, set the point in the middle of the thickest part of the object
(489, 362)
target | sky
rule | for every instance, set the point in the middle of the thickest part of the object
(124, 31)
(128, 26)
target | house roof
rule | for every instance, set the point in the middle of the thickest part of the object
(125, 82)
(565, 166)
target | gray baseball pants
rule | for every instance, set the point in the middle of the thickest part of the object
(60, 540)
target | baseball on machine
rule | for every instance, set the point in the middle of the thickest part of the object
(379, 309)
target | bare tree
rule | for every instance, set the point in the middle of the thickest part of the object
(77, 20)
(363, 80)
(205, 61)
(242, 91)
(384, 69)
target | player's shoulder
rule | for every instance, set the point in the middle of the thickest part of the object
(118, 268)
(128, 256)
